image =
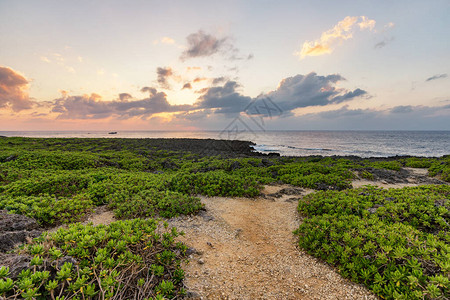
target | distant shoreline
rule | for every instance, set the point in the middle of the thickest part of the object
(227, 148)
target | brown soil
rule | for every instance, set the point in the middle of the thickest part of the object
(102, 215)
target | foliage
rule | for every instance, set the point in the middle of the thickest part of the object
(112, 262)
(214, 183)
(394, 241)
(316, 175)
(150, 202)
(441, 168)
(48, 209)
(418, 162)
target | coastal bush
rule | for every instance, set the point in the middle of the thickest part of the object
(135, 259)
(441, 168)
(214, 183)
(419, 162)
(151, 202)
(8, 175)
(108, 183)
(63, 183)
(47, 209)
(394, 241)
(57, 160)
(315, 175)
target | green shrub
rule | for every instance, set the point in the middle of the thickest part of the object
(394, 241)
(48, 210)
(152, 202)
(441, 168)
(419, 162)
(214, 183)
(115, 260)
(315, 175)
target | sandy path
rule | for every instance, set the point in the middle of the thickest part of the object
(246, 250)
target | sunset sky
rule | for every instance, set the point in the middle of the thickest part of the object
(197, 65)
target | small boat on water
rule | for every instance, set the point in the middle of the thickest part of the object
(112, 132)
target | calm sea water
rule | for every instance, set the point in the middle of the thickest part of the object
(297, 143)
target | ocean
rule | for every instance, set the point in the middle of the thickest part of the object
(296, 143)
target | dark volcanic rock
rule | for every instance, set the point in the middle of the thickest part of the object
(16, 263)
(66, 259)
(401, 176)
(206, 216)
(265, 163)
(9, 239)
(324, 187)
(291, 191)
(235, 165)
(287, 191)
(273, 154)
(441, 203)
(12, 222)
(16, 229)
(168, 164)
(10, 158)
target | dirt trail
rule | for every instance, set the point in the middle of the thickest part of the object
(245, 249)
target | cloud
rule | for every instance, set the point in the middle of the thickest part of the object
(383, 43)
(345, 118)
(293, 92)
(150, 90)
(164, 40)
(164, 75)
(224, 99)
(398, 117)
(193, 69)
(201, 44)
(218, 80)
(187, 86)
(125, 97)
(59, 60)
(437, 76)
(402, 109)
(366, 23)
(13, 90)
(389, 25)
(329, 39)
(93, 107)
(198, 79)
(312, 90)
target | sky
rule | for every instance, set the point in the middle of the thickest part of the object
(202, 65)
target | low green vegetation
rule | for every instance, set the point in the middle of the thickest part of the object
(396, 241)
(436, 166)
(441, 168)
(134, 259)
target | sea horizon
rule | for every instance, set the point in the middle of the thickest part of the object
(363, 143)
